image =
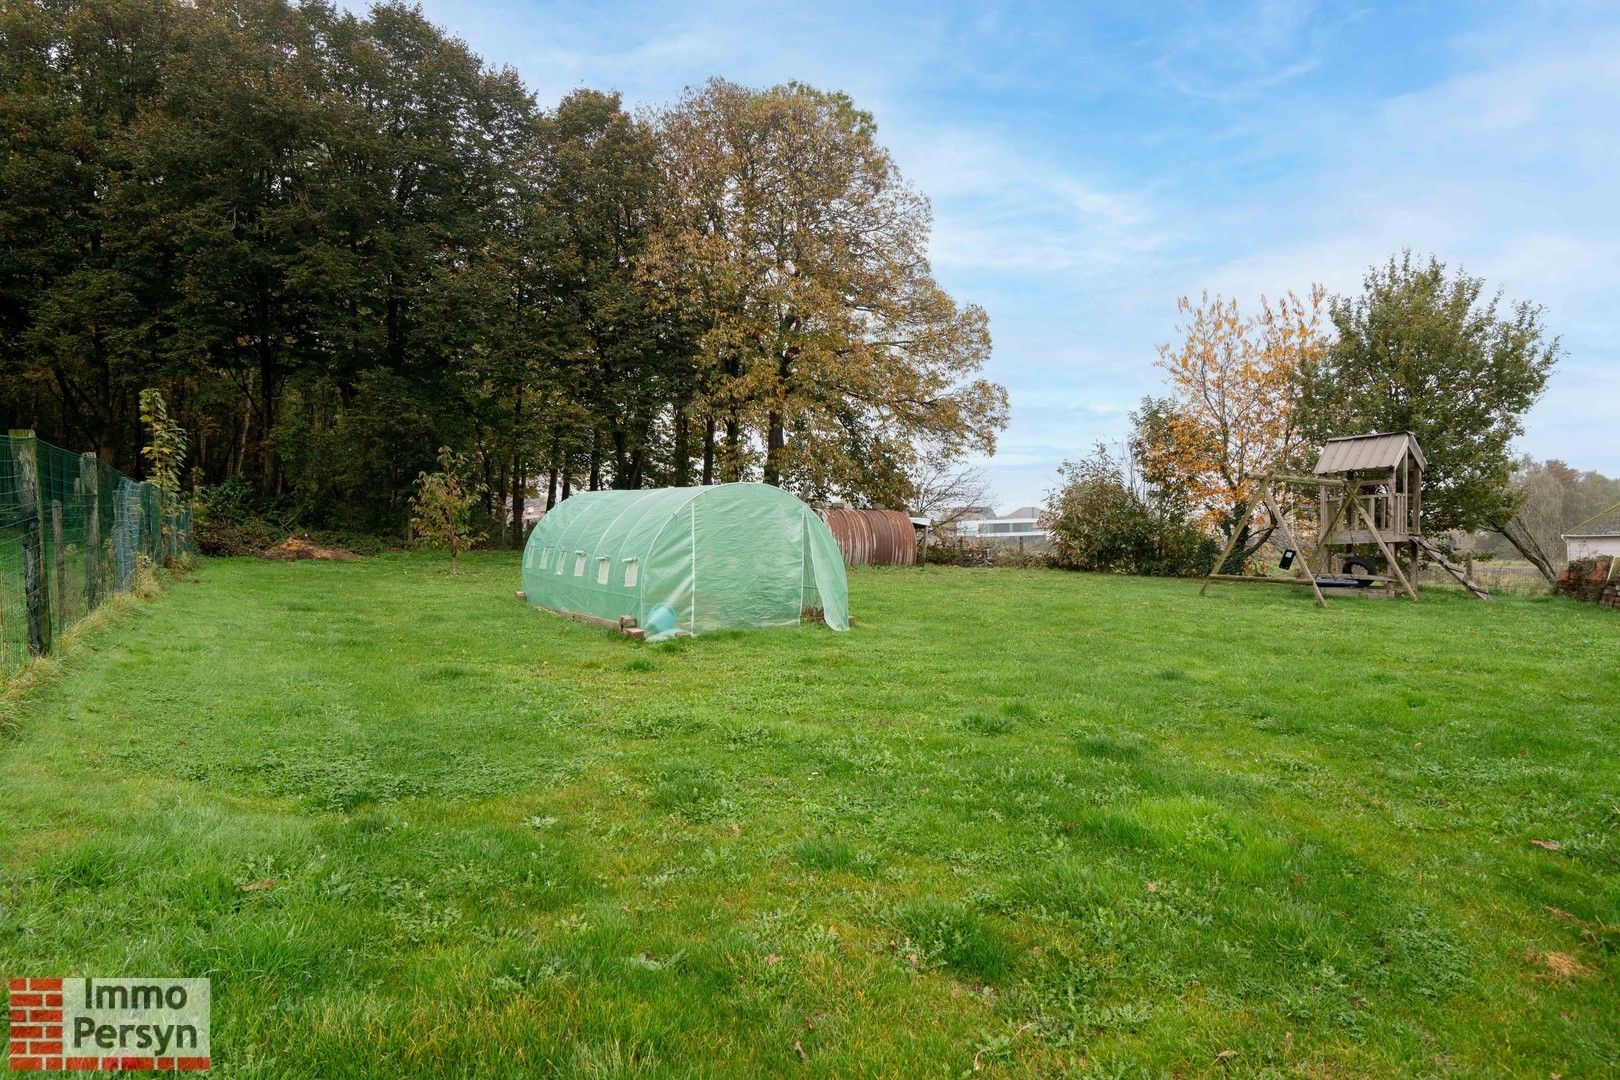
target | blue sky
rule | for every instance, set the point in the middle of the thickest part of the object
(1090, 162)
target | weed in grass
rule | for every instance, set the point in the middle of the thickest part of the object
(692, 792)
(825, 854)
(979, 723)
(747, 736)
(657, 723)
(937, 934)
(1109, 747)
(449, 672)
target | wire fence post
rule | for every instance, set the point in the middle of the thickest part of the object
(31, 528)
(90, 483)
(152, 499)
(57, 506)
(59, 598)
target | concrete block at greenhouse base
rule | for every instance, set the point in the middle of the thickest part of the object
(635, 632)
(521, 596)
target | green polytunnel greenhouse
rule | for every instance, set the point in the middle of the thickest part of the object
(687, 560)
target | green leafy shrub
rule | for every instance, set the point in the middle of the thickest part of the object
(441, 510)
(939, 934)
(1101, 519)
(226, 520)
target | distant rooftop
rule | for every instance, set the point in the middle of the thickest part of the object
(1603, 523)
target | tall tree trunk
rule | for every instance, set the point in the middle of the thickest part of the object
(518, 487)
(1525, 544)
(682, 473)
(731, 458)
(267, 414)
(708, 450)
(518, 479)
(621, 457)
(775, 444)
(551, 483)
(595, 462)
(775, 420)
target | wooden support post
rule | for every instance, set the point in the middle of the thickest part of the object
(90, 485)
(1327, 533)
(1389, 556)
(1288, 534)
(1231, 542)
(30, 528)
(59, 554)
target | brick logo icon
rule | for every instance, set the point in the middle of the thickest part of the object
(36, 1023)
(113, 1024)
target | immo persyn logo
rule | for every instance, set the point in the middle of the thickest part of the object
(118, 1024)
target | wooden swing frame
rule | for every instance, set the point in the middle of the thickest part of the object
(1265, 491)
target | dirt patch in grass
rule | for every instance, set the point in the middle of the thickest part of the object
(294, 548)
(1558, 966)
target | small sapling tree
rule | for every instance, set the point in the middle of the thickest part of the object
(441, 510)
(165, 455)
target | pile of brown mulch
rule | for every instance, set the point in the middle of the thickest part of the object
(294, 548)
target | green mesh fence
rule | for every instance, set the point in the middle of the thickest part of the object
(72, 533)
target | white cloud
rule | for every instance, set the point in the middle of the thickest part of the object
(1509, 172)
(1000, 207)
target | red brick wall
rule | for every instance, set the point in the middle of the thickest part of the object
(1593, 585)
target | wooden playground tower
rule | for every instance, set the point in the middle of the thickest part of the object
(1369, 497)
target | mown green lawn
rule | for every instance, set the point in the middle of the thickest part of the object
(1015, 823)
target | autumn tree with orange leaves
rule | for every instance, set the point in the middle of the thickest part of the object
(829, 360)
(1229, 416)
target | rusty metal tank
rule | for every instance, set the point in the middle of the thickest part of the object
(872, 537)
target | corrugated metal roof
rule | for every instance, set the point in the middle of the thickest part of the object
(1382, 450)
(875, 537)
(1605, 523)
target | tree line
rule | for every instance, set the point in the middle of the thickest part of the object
(1422, 348)
(340, 242)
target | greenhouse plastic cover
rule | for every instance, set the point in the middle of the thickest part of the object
(687, 560)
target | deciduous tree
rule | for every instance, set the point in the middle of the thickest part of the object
(822, 330)
(441, 511)
(1426, 350)
(1229, 416)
